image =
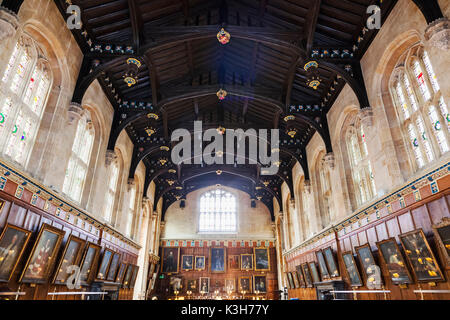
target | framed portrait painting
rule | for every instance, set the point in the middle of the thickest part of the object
(170, 259)
(307, 274)
(262, 259)
(112, 272)
(200, 263)
(217, 260)
(314, 272)
(420, 257)
(370, 269)
(191, 285)
(230, 285)
(352, 269)
(43, 255)
(295, 278)
(13, 242)
(331, 262)
(72, 255)
(204, 285)
(121, 273)
(88, 263)
(259, 284)
(134, 276)
(128, 275)
(245, 284)
(301, 278)
(322, 266)
(290, 280)
(187, 262)
(393, 259)
(234, 262)
(246, 262)
(104, 264)
(442, 235)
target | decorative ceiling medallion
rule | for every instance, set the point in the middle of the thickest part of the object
(172, 171)
(179, 188)
(164, 148)
(170, 182)
(219, 172)
(312, 74)
(130, 76)
(152, 116)
(292, 132)
(221, 130)
(266, 183)
(163, 161)
(258, 188)
(223, 37)
(289, 118)
(221, 94)
(150, 131)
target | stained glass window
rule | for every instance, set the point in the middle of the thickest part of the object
(361, 168)
(130, 214)
(425, 126)
(79, 161)
(111, 192)
(27, 80)
(217, 212)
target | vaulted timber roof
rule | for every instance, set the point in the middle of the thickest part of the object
(184, 65)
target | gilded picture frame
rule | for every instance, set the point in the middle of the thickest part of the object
(71, 256)
(121, 273)
(421, 259)
(394, 261)
(88, 263)
(42, 258)
(295, 278)
(113, 267)
(307, 275)
(134, 276)
(352, 269)
(246, 261)
(230, 285)
(301, 277)
(245, 284)
(203, 285)
(367, 262)
(332, 265)
(191, 285)
(170, 261)
(259, 284)
(11, 249)
(200, 263)
(217, 260)
(262, 259)
(187, 262)
(105, 262)
(234, 262)
(315, 275)
(442, 235)
(324, 273)
(128, 275)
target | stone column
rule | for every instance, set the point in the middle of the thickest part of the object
(110, 157)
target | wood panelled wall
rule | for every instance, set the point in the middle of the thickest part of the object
(217, 280)
(416, 215)
(22, 214)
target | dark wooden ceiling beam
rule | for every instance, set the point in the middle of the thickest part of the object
(136, 23)
(311, 24)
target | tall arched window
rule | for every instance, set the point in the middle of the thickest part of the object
(360, 165)
(421, 108)
(24, 89)
(324, 194)
(110, 195)
(79, 160)
(131, 212)
(217, 212)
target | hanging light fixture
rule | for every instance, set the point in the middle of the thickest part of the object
(130, 76)
(223, 36)
(221, 130)
(221, 94)
(312, 74)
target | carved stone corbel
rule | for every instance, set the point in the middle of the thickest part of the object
(437, 34)
(366, 116)
(74, 113)
(9, 23)
(307, 186)
(110, 157)
(329, 160)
